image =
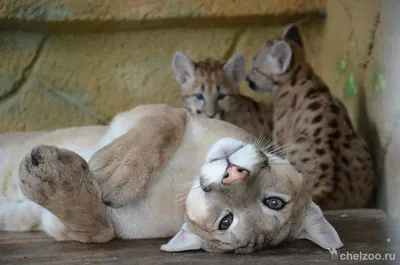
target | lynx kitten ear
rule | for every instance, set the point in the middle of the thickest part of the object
(183, 67)
(235, 67)
(317, 229)
(292, 33)
(279, 57)
(184, 240)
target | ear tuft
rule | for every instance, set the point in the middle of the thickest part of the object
(292, 33)
(317, 229)
(279, 57)
(183, 67)
(235, 68)
(184, 240)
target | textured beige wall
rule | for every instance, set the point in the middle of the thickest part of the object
(100, 15)
(348, 39)
(62, 10)
(58, 79)
(365, 35)
(382, 97)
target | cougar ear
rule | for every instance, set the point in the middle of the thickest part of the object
(183, 67)
(235, 67)
(184, 240)
(279, 57)
(317, 229)
(292, 33)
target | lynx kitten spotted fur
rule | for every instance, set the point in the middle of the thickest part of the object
(211, 88)
(325, 147)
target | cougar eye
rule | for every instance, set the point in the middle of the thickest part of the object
(225, 222)
(274, 203)
(220, 96)
(199, 96)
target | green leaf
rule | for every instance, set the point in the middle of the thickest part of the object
(380, 81)
(351, 87)
(342, 65)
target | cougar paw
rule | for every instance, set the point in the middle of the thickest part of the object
(47, 171)
(116, 196)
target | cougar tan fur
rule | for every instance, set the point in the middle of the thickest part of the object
(157, 171)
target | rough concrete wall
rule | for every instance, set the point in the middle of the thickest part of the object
(382, 96)
(55, 80)
(347, 52)
(71, 10)
(361, 55)
(116, 15)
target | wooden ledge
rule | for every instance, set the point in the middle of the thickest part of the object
(362, 231)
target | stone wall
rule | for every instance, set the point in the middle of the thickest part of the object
(71, 63)
(382, 97)
(361, 55)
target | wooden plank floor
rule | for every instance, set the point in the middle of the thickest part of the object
(366, 231)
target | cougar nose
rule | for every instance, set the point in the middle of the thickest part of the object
(234, 173)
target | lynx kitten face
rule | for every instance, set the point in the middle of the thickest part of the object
(245, 200)
(208, 87)
(211, 88)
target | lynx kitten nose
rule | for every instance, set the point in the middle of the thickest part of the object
(233, 174)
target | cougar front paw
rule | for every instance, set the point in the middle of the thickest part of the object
(48, 171)
(117, 196)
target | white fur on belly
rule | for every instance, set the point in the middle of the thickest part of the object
(161, 212)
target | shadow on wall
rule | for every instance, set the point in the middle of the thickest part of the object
(371, 134)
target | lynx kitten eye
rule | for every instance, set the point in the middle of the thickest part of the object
(199, 96)
(220, 96)
(274, 203)
(225, 222)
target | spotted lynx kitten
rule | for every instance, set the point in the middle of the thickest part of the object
(332, 156)
(211, 88)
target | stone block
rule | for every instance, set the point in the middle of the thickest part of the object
(82, 79)
(136, 10)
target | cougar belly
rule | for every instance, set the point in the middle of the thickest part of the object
(160, 213)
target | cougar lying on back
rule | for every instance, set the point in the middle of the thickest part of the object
(154, 172)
